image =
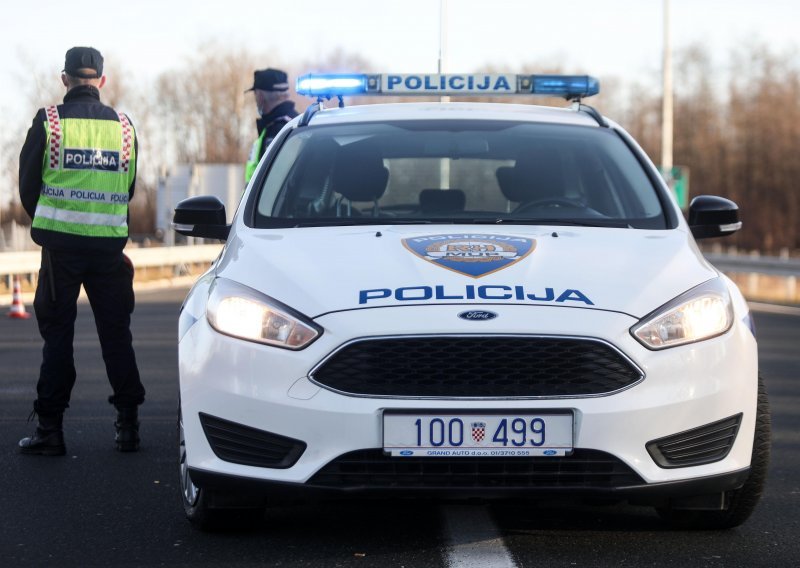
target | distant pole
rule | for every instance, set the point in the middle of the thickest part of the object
(666, 109)
(444, 163)
(442, 67)
(442, 35)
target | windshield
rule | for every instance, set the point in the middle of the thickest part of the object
(451, 171)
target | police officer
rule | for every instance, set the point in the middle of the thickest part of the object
(77, 172)
(271, 90)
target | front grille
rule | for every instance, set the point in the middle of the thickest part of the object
(480, 367)
(706, 444)
(372, 469)
(245, 445)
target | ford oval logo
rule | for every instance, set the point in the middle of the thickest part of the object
(477, 315)
(406, 453)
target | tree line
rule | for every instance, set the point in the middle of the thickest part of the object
(737, 127)
(738, 132)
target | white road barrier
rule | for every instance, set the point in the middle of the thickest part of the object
(158, 266)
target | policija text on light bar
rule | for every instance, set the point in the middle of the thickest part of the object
(329, 85)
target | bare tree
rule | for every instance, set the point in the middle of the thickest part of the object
(764, 118)
(202, 110)
(699, 122)
(740, 143)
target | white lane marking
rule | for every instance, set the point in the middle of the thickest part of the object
(474, 541)
(774, 309)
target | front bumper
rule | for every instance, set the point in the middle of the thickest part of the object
(246, 490)
(268, 389)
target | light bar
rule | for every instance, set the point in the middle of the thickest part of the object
(487, 84)
(331, 85)
(567, 86)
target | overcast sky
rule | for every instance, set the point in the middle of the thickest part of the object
(621, 38)
(606, 38)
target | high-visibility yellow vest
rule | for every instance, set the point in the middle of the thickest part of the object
(87, 170)
(254, 158)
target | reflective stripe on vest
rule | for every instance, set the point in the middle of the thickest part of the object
(54, 122)
(86, 175)
(127, 142)
(80, 217)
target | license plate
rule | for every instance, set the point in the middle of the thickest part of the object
(522, 434)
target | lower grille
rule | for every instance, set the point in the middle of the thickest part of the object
(477, 366)
(373, 469)
(706, 444)
(245, 445)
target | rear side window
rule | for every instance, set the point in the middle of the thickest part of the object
(458, 171)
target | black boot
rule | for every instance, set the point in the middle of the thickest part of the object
(48, 440)
(127, 426)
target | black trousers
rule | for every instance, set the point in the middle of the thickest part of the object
(108, 281)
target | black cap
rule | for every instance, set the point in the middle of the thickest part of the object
(83, 58)
(269, 80)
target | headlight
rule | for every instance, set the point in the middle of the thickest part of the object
(239, 311)
(701, 313)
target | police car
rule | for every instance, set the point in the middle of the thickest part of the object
(466, 300)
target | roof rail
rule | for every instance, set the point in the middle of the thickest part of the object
(310, 112)
(591, 111)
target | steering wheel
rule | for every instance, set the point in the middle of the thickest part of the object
(548, 202)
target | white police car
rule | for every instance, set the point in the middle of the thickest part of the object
(466, 299)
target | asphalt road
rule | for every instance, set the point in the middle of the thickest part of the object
(97, 507)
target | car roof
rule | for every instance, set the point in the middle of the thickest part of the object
(451, 111)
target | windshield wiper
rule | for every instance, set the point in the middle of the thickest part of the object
(610, 223)
(288, 223)
(284, 223)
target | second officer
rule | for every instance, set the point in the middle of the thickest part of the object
(271, 90)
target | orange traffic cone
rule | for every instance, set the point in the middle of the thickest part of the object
(17, 310)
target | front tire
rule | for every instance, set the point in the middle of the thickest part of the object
(196, 500)
(742, 501)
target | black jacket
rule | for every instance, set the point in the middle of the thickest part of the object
(80, 102)
(273, 121)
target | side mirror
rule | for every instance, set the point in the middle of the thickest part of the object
(711, 216)
(201, 216)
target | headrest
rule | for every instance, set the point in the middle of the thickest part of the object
(442, 200)
(535, 175)
(506, 178)
(313, 167)
(359, 174)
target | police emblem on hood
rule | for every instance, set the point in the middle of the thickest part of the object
(471, 255)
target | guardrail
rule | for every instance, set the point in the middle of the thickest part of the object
(27, 263)
(772, 265)
(159, 265)
(768, 279)
(761, 278)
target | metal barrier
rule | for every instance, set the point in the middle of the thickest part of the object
(768, 265)
(159, 266)
(762, 278)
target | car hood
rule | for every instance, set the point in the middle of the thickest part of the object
(320, 270)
